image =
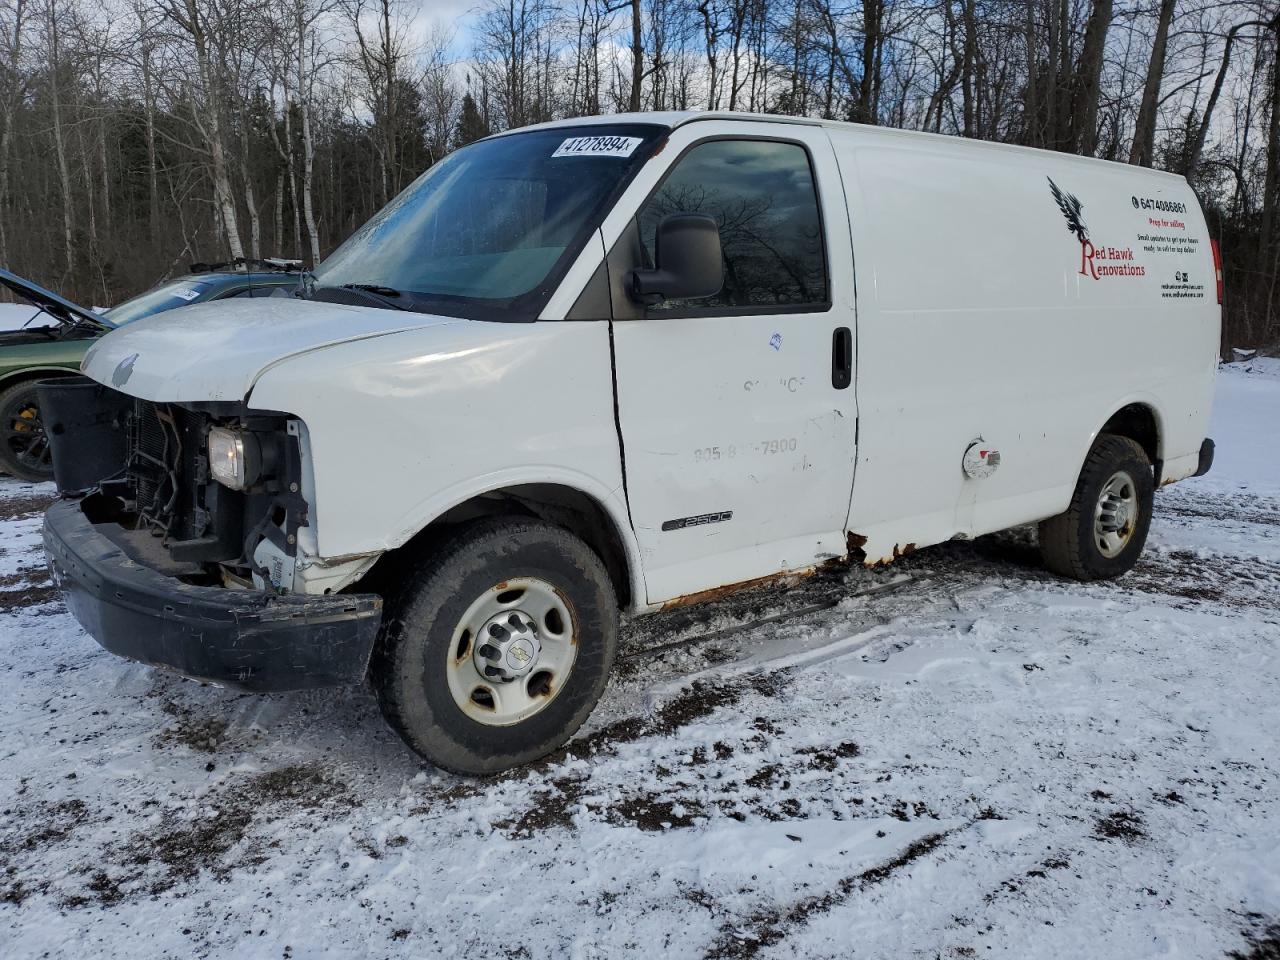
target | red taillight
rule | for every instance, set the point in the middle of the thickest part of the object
(1217, 267)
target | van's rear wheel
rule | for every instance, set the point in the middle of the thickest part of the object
(1102, 533)
(498, 646)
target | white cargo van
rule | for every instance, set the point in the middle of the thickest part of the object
(625, 362)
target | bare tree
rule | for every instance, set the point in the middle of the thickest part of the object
(201, 128)
(193, 18)
(1144, 136)
(10, 96)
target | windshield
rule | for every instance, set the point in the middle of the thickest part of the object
(164, 297)
(488, 231)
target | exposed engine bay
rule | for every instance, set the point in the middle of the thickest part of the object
(209, 495)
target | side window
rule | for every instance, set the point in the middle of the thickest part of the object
(762, 195)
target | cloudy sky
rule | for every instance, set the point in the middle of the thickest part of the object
(451, 16)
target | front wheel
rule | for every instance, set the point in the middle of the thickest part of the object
(497, 647)
(24, 448)
(1102, 532)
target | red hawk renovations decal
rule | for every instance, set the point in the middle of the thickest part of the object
(1095, 261)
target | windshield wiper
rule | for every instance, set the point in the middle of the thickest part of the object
(373, 292)
(377, 288)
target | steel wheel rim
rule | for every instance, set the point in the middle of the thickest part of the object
(537, 607)
(24, 434)
(1115, 516)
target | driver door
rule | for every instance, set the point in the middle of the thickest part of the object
(737, 411)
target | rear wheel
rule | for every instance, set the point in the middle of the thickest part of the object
(24, 448)
(497, 647)
(1102, 532)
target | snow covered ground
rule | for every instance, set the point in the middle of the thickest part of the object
(980, 761)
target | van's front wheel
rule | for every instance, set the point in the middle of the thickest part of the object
(498, 647)
(1102, 532)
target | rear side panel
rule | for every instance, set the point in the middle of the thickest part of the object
(1020, 297)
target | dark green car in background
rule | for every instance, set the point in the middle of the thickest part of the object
(54, 341)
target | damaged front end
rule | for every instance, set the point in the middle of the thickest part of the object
(169, 558)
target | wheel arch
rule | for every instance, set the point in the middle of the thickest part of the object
(1140, 421)
(21, 374)
(584, 515)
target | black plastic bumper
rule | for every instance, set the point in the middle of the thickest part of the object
(247, 639)
(1206, 458)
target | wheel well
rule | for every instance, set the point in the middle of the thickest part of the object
(1137, 421)
(565, 507)
(47, 373)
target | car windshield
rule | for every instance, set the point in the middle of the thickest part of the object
(488, 231)
(164, 297)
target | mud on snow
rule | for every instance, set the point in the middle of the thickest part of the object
(957, 756)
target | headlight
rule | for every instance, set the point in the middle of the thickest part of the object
(235, 458)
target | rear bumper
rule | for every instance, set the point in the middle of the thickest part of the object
(1206, 458)
(246, 639)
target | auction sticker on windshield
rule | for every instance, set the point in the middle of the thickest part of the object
(186, 293)
(597, 147)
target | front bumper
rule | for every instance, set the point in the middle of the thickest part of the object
(246, 639)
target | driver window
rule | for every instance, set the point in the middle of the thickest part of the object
(762, 195)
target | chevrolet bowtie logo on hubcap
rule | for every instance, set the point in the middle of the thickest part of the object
(519, 654)
(508, 647)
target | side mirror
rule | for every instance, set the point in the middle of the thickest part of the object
(688, 261)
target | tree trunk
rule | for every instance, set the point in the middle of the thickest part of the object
(308, 147)
(873, 15)
(389, 121)
(1271, 186)
(251, 204)
(224, 199)
(149, 120)
(1196, 148)
(277, 236)
(59, 140)
(1031, 99)
(968, 59)
(285, 151)
(711, 39)
(1084, 105)
(8, 113)
(246, 174)
(637, 57)
(1144, 137)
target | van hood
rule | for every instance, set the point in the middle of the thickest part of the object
(217, 351)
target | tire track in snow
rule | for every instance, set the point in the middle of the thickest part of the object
(745, 938)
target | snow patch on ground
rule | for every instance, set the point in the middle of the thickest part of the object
(1246, 429)
(981, 760)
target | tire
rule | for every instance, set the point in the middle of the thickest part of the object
(436, 640)
(24, 448)
(1080, 543)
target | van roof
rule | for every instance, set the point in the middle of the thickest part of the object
(678, 118)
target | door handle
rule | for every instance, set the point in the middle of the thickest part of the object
(841, 358)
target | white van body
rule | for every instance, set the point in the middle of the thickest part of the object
(624, 363)
(979, 316)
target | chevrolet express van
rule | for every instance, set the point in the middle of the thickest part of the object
(623, 363)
